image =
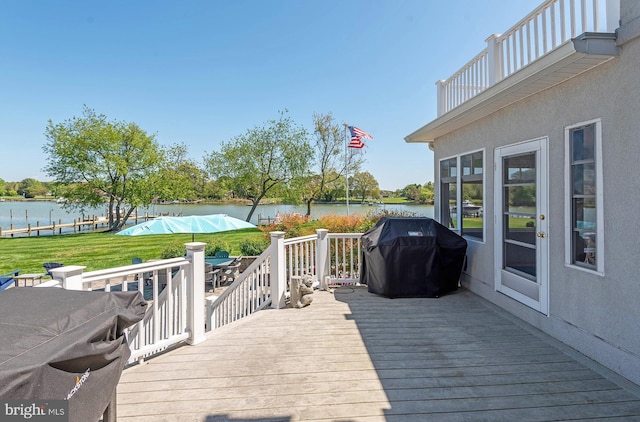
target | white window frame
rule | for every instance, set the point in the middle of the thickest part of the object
(599, 197)
(460, 229)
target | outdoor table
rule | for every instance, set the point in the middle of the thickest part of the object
(218, 262)
(25, 277)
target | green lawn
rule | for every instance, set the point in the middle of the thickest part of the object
(514, 222)
(99, 250)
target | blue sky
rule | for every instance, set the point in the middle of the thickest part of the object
(202, 72)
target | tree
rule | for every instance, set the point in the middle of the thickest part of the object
(97, 161)
(262, 159)
(330, 161)
(179, 177)
(411, 192)
(364, 185)
(30, 188)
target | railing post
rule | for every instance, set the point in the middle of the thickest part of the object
(442, 97)
(494, 59)
(278, 271)
(70, 277)
(195, 292)
(322, 257)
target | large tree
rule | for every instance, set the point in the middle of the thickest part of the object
(331, 160)
(96, 161)
(262, 159)
(179, 176)
(364, 185)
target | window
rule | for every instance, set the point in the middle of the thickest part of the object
(448, 192)
(472, 194)
(465, 217)
(584, 205)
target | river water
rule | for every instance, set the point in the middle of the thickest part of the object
(23, 213)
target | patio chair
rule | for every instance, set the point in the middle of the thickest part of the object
(146, 276)
(162, 277)
(6, 280)
(231, 271)
(212, 276)
(48, 266)
(221, 254)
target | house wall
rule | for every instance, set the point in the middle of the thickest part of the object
(597, 314)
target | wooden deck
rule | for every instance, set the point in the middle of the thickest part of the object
(354, 356)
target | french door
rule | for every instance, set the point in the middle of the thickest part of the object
(521, 241)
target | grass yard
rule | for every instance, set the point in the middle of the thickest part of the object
(514, 222)
(97, 251)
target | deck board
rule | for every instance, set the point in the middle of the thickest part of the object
(354, 356)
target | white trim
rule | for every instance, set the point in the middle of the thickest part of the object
(599, 197)
(538, 145)
(484, 194)
(437, 210)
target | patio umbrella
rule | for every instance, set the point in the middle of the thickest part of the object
(189, 224)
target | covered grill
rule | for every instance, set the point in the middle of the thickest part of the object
(411, 257)
(59, 344)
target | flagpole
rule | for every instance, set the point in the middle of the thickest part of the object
(346, 166)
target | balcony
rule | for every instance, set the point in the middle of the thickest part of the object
(557, 41)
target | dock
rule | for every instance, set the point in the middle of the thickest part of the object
(355, 356)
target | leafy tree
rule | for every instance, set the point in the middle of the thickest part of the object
(411, 192)
(215, 189)
(364, 185)
(262, 159)
(97, 161)
(30, 188)
(179, 177)
(522, 196)
(330, 159)
(334, 190)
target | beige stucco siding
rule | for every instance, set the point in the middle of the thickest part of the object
(583, 307)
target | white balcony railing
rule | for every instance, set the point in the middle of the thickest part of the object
(174, 288)
(550, 25)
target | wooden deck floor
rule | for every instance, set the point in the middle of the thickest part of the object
(354, 356)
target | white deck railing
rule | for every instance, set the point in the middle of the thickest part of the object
(175, 291)
(249, 293)
(171, 317)
(345, 252)
(550, 25)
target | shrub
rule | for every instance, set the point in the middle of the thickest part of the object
(216, 245)
(296, 225)
(174, 250)
(291, 224)
(253, 247)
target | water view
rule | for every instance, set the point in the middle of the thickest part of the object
(22, 213)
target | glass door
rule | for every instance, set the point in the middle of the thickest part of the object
(521, 223)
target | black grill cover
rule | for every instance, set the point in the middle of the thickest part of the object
(411, 257)
(59, 344)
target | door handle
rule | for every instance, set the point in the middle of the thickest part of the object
(541, 235)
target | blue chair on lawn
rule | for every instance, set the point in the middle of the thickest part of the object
(6, 280)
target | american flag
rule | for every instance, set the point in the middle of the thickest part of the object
(356, 143)
(359, 133)
(356, 137)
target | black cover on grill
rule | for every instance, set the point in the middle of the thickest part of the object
(62, 344)
(411, 257)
